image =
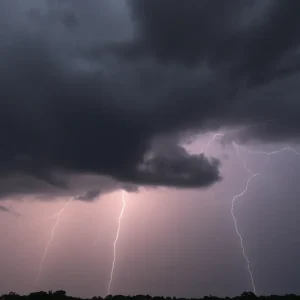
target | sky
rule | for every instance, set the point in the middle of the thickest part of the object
(104, 96)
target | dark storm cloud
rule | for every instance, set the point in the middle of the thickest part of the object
(57, 119)
(89, 195)
(212, 30)
(248, 45)
(94, 194)
(72, 104)
(58, 11)
(174, 31)
(8, 210)
(175, 165)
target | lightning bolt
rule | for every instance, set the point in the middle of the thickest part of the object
(115, 242)
(252, 175)
(58, 216)
(272, 152)
(268, 154)
(211, 140)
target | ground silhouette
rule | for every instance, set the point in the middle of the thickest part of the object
(61, 295)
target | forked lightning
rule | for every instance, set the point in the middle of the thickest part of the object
(252, 175)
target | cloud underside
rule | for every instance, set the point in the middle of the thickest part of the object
(8, 210)
(80, 97)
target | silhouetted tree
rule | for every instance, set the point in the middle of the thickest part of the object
(60, 293)
(97, 298)
(248, 295)
(38, 295)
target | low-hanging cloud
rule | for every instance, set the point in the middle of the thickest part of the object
(79, 98)
(8, 210)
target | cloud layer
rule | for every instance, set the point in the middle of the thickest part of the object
(89, 93)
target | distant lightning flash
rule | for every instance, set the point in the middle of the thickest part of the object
(252, 175)
(116, 240)
(58, 215)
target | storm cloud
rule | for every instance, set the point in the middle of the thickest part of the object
(6, 209)
(88, 93)
(219, 64)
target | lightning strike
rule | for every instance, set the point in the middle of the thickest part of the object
(252, 175)
(58, 216)
(272, 152)
(115, 242)
(211, 140)
(275, 152)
